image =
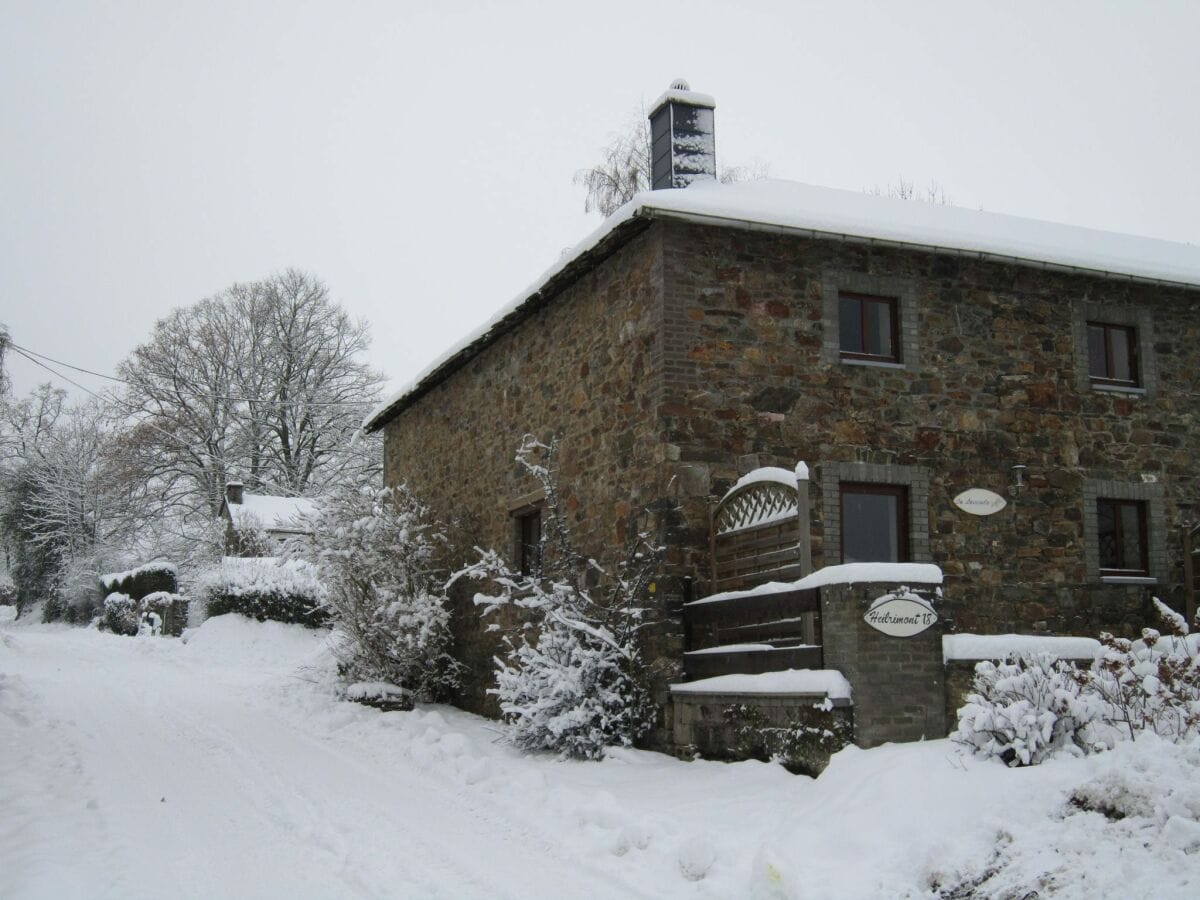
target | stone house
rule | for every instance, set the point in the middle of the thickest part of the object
(259, 524)
(910, 354)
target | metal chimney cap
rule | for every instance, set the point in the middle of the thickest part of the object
(680, 84)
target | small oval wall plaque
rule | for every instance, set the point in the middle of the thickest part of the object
(900, 615)
(980, 502)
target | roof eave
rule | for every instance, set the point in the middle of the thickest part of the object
(621, 233)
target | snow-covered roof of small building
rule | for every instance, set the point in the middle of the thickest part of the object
(820, 212)
(271, 513)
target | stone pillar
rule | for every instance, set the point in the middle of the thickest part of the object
(898, 684)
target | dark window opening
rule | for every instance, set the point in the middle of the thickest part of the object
(868, 327)
(1122, 531)
(874, 523)
(529, 540)
(1112, 354)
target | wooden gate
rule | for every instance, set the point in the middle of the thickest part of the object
(753, 621)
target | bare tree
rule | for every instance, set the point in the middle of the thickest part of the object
(904, 190)
(264, 381)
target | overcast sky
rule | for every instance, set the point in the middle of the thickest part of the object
(418, 157)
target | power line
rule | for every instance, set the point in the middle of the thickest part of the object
(174, 437)
(23, 351)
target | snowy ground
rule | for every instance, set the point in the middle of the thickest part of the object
(226, 767)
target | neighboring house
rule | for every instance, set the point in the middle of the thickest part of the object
(259, 524)
(909, 353)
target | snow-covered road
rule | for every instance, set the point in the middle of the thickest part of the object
(169, 774)
(227, 766)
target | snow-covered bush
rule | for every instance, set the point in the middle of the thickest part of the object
(121, 614)
(1152, 684)
(375, 553)
(1025, 709)
(264, 588)
(572, 681)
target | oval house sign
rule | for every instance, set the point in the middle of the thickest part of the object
(902, 614)
(980, 502)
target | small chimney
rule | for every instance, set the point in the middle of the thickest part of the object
(233, 492)
(683, 141)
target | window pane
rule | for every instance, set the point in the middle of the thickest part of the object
(870, 527)
(1122, 535)
(850, 324)
(879, 328)
(1097, 352)
(1106, 516)
(1130, 534)
(1121, 354)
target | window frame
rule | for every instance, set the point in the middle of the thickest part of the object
(1123, 569)
(863, 299)
(1141, 320)
(900, 492)
(1130, 333)
(906, 317)
(527, 555)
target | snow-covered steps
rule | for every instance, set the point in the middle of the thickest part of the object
(751, 658)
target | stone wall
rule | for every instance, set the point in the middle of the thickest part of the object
(794, 729)
(990, 379)
(693, 354)
(581, 368)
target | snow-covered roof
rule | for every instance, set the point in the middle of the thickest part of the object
(844, 215)
(678, 95)
(271, 513)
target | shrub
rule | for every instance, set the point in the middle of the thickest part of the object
(264, 588)
(1026, 709)
(1152, 684)
(572, 680)
(374, 551)
(121, 614)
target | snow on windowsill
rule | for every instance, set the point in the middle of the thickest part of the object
(1128, 579)
(1001, 646)
(847, 573)
(817, 682)
(1119, 389)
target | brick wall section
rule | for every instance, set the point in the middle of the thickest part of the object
(989, 381)
(584, 368)
(898, 683)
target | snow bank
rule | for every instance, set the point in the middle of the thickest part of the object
(236, 641)
(826, 682)
(1001, 646)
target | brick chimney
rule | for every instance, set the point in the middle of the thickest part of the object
(233, 492)
(683, 142)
